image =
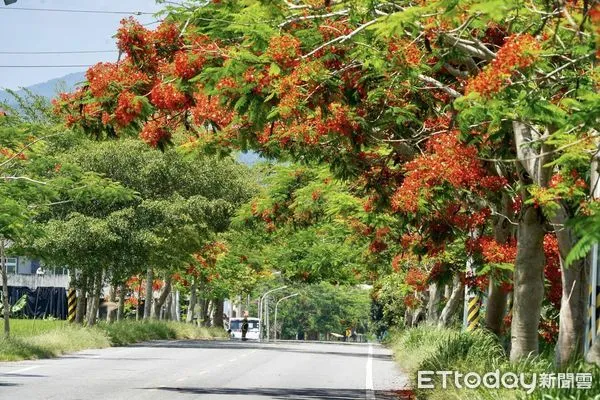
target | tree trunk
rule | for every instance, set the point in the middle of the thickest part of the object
(121, 303)
(111, 314)
(529, 266)
(453, 303)
(149, 295)
(447, 291)
(433, 305)
(218, 313)
(81, 299)
(95, 299)
(528, 283)
(193, 298)
(573, 305)
(5, 302)
(408, 317)
(496, 302)
(168, 305)
(593, 355)
(207, 312)
(138, 311)
(160, 302)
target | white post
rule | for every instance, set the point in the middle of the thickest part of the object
(260, 310)
(277, 305)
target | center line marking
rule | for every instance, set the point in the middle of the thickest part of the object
(369, 392)
(233, 359)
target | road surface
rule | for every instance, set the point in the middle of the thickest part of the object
(209, 370)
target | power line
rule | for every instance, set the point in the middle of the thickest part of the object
(60, 52)
(78, 11)
(47, 66)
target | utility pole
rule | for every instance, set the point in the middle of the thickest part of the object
(260, 310)
(277, 305)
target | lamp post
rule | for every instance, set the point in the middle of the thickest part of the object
(260, 310)
(277, 305)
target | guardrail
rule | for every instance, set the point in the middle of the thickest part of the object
(34, 281)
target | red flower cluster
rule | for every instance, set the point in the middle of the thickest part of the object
(549, 330)
(121, 76)
(128, 108)
(496, 253)
(188, 64)
(338, 122)
(417, 279)
(284, 50)
(167, 97)
(167, 39)
(155, 132)
(552, 270)
(518, 52)
(447, 161)
(134, 39)
(208, 109)
(479, 282)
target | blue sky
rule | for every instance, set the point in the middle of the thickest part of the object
(25, 31)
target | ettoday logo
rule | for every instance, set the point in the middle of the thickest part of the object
(508, 380)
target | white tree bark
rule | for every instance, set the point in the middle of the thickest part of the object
(453, 303)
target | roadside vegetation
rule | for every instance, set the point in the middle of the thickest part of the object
(443, 349)
(34, 339)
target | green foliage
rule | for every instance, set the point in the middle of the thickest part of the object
(431, 349)
(323, 308)
(17, 307)
(34, 339)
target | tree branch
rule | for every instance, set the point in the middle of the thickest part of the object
(439, 85)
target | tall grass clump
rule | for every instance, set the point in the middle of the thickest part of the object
(432, 349)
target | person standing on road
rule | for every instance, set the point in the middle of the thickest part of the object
(245, 326)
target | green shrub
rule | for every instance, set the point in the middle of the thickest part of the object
(433, 349)
(33, 339)
(52, 343)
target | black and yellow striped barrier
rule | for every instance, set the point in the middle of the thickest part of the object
(71, 305)
(473, 313)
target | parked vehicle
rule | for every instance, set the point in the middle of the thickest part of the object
(235, 328)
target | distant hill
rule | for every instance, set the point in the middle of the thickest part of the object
(49, 89)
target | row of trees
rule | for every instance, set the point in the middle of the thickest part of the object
(116, 214)
(474, 122)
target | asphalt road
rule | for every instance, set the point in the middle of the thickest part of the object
(209, 370)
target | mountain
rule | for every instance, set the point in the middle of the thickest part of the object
(50, 88)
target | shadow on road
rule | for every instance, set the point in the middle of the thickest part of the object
(297, 394)
(199, 344)
(13, 375)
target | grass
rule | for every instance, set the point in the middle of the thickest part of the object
(432, 349)
(33, 339)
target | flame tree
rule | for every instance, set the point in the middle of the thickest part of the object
(353, 84)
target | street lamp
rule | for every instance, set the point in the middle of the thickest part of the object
(276, 305)
(260, 310)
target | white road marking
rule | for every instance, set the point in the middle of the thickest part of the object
(233, 359)
(202, 372)
(219, 366)
(369, 391)
(21, 370)
(180, 379)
